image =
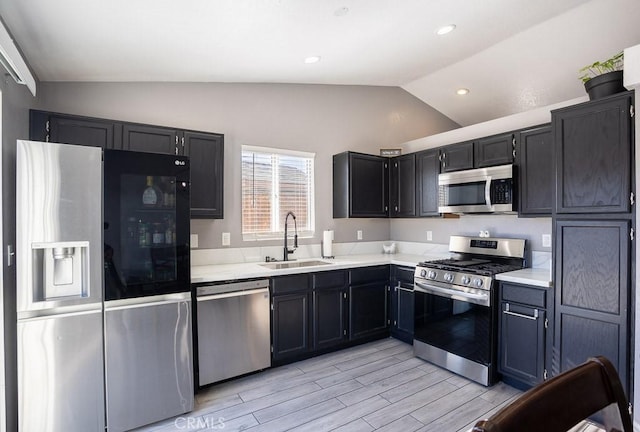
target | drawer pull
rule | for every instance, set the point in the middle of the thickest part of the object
(506, 311)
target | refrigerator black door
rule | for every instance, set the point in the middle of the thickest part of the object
(146, 224)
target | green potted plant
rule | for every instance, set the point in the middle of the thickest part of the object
(603, 78)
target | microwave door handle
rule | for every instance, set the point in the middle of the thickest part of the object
(487, 192)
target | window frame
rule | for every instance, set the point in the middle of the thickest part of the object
(277, 225)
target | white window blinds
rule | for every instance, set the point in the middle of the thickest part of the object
(275, 182)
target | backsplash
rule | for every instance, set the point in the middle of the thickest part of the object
(258, 254)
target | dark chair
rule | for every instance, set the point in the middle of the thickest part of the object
(564, 401)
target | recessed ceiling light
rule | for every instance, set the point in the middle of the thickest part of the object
(341, 11)
(462, 91)
(445, 29)
(312, 59)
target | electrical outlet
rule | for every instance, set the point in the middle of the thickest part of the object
(193, 241)
(429, 235)
(359, 234)
(546, 240)
(226, 239)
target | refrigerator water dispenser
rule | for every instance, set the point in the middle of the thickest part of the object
(60, 270)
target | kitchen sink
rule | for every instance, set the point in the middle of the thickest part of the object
(293, 264)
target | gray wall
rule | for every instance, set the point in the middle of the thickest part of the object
(16, 101)
(317, 118)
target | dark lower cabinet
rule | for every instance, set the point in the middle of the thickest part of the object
(290, 316)
(367, 309)
(402, 303)
(290, 321)
(329, 309)
(523, 342)
(592, 298)
(329, 313)
(368, 301)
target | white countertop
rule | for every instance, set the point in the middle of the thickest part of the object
(528, 276)
(229, 272)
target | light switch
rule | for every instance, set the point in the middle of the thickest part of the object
(429, 235)
(226, 239)
(359, 234)
(193, 240)
(546, 240)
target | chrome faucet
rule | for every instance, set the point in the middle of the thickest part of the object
(288, 251)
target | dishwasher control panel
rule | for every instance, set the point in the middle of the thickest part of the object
(223, 288)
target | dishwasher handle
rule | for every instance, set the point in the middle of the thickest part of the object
(232, 294)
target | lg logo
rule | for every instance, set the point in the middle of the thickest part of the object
(180, 163)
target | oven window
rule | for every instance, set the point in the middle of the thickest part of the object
(461, 328)
(466, 194)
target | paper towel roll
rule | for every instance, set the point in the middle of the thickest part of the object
(327, 244)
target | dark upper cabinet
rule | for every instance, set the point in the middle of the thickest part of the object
(360, 185)
(494, 150)
(206, 153)
(523, 337)
(427, 170)
(457, 157)
(592, 293)
(206, 150)
(70, 129)
(150, 139)
(402, 186)
(535, 171)
(593, 156)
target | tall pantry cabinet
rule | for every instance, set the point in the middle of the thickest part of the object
(593, 230)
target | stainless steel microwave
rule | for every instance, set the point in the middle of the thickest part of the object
(481, 190)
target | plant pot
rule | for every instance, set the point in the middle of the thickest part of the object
(603, 85)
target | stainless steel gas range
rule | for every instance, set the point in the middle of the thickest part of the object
(456, 305)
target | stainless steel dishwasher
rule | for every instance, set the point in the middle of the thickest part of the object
(233, 329)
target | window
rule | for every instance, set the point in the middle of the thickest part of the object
(275, 182)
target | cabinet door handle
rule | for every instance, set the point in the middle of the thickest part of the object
(506, 311)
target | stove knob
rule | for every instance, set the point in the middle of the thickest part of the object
(423, 273)
(466, 280)
(448, 277)
(477, 283)
(431, 274)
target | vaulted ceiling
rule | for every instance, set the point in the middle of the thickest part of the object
(512, 55)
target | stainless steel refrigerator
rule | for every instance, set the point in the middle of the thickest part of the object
(59, 287)
(103, 298)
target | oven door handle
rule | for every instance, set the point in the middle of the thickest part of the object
(482, 299)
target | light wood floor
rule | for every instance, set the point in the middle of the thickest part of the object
(378, 386)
